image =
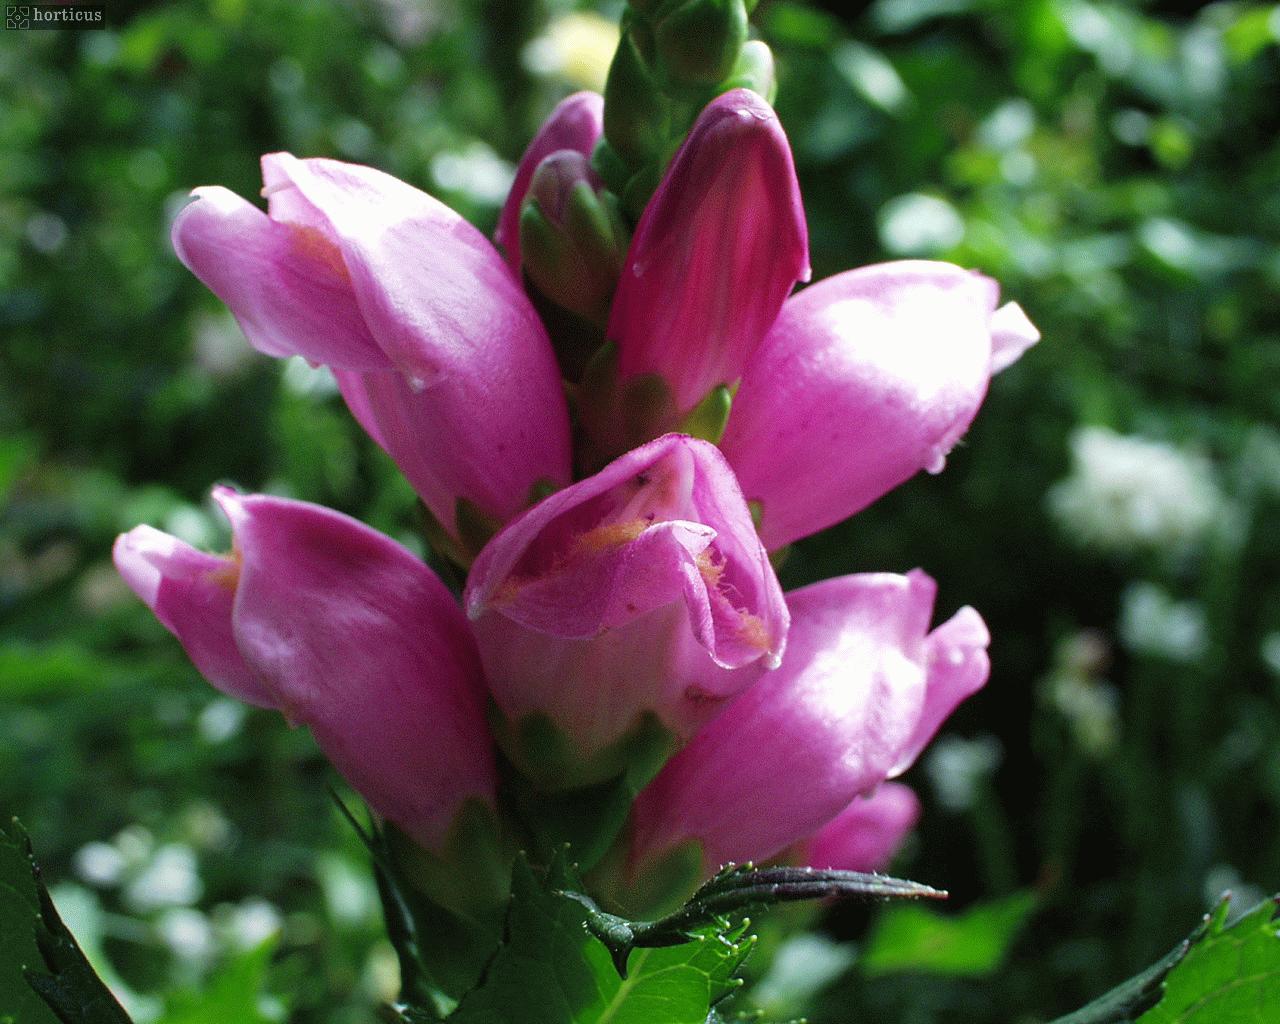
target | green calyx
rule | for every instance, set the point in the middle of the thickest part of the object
(619, 415)
(468, 875)
(550, 760)
(709, 417)
(473, 529)
(575, 259)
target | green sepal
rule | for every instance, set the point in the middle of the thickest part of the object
(549, 759)
(619, 416)
(586, 820)
(613, 170)
(698, 43)
(474, 530)
(443, 909)
(663, 886)
(636, 117)
(542, 488)
(755, 70)
(709, 417)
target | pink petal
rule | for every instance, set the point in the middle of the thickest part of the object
(720, 245)
(1012, 333)
(477, 409)
(866, 834)
(191, 593)
(641, 589)
(576, 123)
(958, 667)
(286, 284)
(791, 752)
(866, 378)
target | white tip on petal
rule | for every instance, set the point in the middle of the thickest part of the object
(1012, 333)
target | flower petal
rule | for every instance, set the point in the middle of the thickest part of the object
(883, 368)
(191, 593)
(289, 293)
(720, 245)
(576, 123)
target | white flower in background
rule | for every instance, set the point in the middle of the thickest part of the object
(476, 171)
(1154, 624)
(576, 48)
(1271, 651)
(99, 864)
(956, 767)
(1127, 493)
(221, 719)
(802, 966)
(187, 933)
(1088, 703)
(252, 923)
(170, 879)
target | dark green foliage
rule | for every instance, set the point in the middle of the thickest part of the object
(1114, 165)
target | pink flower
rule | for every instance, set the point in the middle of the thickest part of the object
(865, 379)
(720, 245)
(863, 687)
(342, 630)
(866, 835)
(437, 350)
(640, 591)
(575, 124)
(572, 237)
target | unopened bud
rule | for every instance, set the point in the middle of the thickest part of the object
(636, 114)
(571, 237)
(697, 42)
(755, 70)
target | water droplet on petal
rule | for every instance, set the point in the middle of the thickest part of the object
(416, 384)
(937, 462)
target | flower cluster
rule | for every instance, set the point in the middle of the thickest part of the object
(612, 425)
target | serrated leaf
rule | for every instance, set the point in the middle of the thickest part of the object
(19, 910)
(550, 970)
(917, 939)
(1230, 976)
(58, 972)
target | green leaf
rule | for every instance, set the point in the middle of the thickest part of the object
(232, 994)
(19, 912)
(36, 946)
(1217, 975)
(550, 970)
(916, 939)
(1231, 974)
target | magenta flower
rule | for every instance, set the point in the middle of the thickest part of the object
(437, 350)
(862, 688)
(866, 835)
(720, 245)
(865, 379)
(642, 590)
(342, 630)
(575, 124)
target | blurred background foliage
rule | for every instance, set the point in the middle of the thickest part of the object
(1115, 512)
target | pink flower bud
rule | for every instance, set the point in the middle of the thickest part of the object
(437, 348)
(576, 123)
(571, 236)
(343, 631)
(866, 834)
(866, 378)
(642, 590)
(862, 688)
(720, 245)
